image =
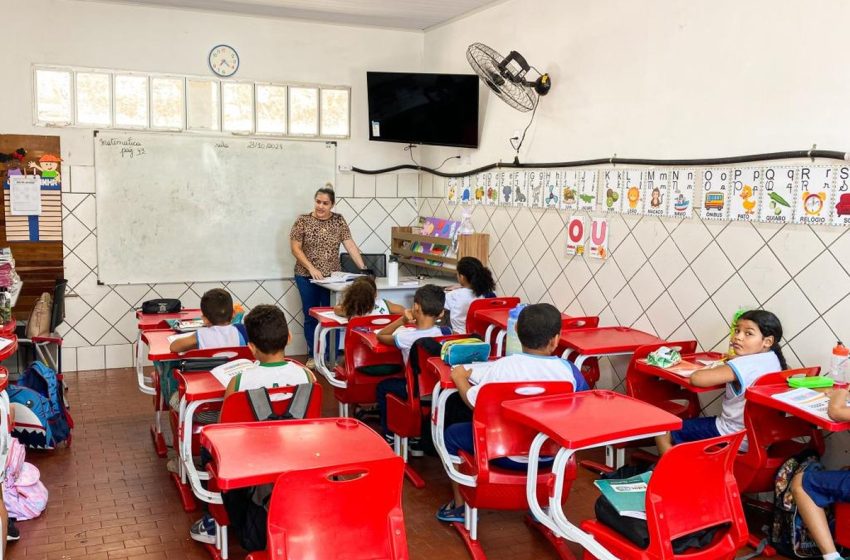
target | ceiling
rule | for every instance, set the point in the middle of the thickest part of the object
(400, 14)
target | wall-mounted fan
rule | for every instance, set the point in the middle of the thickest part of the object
(506, 76)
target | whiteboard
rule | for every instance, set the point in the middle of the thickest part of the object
(188, 208)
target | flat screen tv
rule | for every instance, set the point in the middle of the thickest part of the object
(436, 109)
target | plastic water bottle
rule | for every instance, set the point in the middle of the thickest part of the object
(513, 345)
(392, 272)
(840, 368)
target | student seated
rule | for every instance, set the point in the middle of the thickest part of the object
(268, 334)
(476, 282)
(755, 341)
(539, 330)
(361, 298)
(428, 302)
(217, 332)
(814, 491)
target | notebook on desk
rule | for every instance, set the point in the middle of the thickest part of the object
(185, 325)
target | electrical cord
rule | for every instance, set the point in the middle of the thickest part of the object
(409, 148)
(516, 146)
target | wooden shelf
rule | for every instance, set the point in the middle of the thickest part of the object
(473, 245)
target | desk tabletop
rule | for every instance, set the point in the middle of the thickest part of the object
(499, 316)
(250, 454)
(201, 386)
(440, 371)
(667, 375)
(606, 340)
(156, 321)
(326, 322)
(370, 339)
(159, 348)
(590, 418)
(763, 395)
(10, 349)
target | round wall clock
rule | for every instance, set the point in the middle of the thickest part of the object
(224, 61)
(813, 203)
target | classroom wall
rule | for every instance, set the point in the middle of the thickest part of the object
(664, 79)
(99, 325)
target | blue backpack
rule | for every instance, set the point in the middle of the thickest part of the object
(41, 416)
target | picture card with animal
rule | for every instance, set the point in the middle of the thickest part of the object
(777, 196)
(612, 190)
(576, 235)
(520, 190)
(452, 195)
(537, 184)
(586, 184)
(715, 194)
(569, 190)
(815, 195)
(598, 239)
(482, 181)
(504, 188)
(465, 190)
(655, 184)
(682, 186)
(841, 211)
(745, 193)
(552, 192)
(633, 203)
(492, 195)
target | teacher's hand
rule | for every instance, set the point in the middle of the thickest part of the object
(316, 274)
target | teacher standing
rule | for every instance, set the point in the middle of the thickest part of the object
(314, 240)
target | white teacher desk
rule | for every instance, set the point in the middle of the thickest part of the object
(401, 294)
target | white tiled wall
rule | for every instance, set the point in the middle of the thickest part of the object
(100, 322)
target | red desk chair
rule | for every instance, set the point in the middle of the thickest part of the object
(842, 524)
(485, 485)
(483, 328)
(352, 512)
(772, 437)
(405, 416)
(363, 369)
(237, 408)
(590, 367)
(711, 498)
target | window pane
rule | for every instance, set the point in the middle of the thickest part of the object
(237, 104)
(303, 110)
(167, 102)
(131, 100)
(271, 109)
(53, 96)
(334, 112)
(94, 99)
(202, 102)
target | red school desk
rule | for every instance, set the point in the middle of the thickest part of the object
(603, 341)
(497, 320)
(370, 340)
(326, 329)
(150, 322)
(763, 396)
(581, 421)
(661, 373)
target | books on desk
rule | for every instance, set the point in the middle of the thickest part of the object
(185, 325)
(333, 316)
(337, 278)
(809, 400)
(627, 495)
(684, 368)
(225, 372)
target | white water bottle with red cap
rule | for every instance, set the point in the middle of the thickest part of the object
(840, 367)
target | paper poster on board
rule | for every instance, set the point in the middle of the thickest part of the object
(841, 208)
(465, 190)
(452, 194)
(745, 194)
(539, 178)
(480, 187)
(25, 195)
(504, 189)
(491, 194)
(586, 184)
(777, 200)
(552, 194)
(633, 198)
(814, 195)
(715, 194)
(576, 233)
(598, 239)
(682, 185)
(520, 184)
(569, 189)
(655, 184)
(612, 190)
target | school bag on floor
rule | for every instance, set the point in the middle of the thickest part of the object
(24, 494)
(42, 420)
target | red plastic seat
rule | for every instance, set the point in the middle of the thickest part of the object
(666, 395)
(711, 499)
(405, 416)
(352, 512)
(485, 485)
(479, 327)
(356, 387)
(842, 524)
(590, 367)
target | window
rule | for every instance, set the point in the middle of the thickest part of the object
(111, 99)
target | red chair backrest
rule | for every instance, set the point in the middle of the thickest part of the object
(352, 512)
(356, 353)
(579, 323)
(693, 488)
(647, 390)
(779, 377)
(496, 436)
(475, 325)
(237, 408)
(422, 380)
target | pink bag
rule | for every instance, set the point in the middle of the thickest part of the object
(23, 493)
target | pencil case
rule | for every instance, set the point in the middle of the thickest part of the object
(811, 382)
(464, 351)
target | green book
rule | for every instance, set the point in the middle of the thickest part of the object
(627, 495)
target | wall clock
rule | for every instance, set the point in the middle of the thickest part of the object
(224, 61)
(813, 203)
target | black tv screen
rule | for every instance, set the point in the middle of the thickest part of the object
(436, 109)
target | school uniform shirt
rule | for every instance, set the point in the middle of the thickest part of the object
(270, 375)
(381, 307)
(457, 304)
(747, 370)
(524, 367)
(406, 336)
(220, 336)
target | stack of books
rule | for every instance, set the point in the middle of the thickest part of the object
(7, 268)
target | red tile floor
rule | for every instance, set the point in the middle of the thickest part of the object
(111, 497)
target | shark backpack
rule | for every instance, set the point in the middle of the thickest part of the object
(41, 417)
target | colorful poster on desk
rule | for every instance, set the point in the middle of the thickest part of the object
(778, 189)
(815, 195)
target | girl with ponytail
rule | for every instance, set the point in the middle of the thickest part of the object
(755, 342)
(476, 281)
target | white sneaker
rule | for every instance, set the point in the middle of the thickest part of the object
(311, 363)
(203, 530)
(172, 465)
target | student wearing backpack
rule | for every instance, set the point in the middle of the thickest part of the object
(814, 491)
